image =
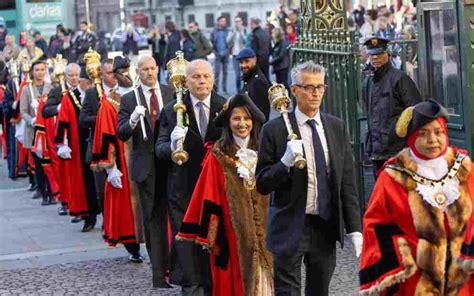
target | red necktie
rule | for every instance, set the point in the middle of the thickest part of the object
(154, 108)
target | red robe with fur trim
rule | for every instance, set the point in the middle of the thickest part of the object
(44, 135)
(408, 243)
(230, 222)
(71, 169)
(107, 151)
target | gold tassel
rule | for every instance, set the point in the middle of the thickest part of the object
(403, 122)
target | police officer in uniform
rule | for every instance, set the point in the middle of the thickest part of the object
(387, 92)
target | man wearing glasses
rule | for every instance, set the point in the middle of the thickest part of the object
(203, 45)
(387, 92)
(313, 207)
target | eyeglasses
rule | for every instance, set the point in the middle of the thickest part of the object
(312, 88)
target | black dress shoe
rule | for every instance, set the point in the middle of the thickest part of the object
(164, 285)
(135, 258)
(89, 224)
(45, 201)
(52, 201)
(76, 219)
(62, 211)
(32, 187)
(37, 195)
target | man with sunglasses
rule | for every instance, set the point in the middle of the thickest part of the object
(387, 92)
(313, 207)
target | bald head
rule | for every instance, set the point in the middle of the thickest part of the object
(200, 78)
(147, 71)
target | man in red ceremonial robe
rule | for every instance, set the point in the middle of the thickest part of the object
(71, 143)
(108, 153)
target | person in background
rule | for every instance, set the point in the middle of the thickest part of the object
(101, 46)
(174, 38)
(59, 31)
(65, 47)
(157, 40)
(188, 47)
(130, 38)
(3, 34)
(31, 51)
(293, 18)
(11, 50)
(221, 51)
(358, 14)
(291, 34)
(236, 41)
(255, 83)
(203, 45)
(369, 27)
(260, 42)
(86, 39)
(40, 42)
(280, 59)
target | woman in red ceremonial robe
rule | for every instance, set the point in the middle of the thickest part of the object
(108, 153)
(226, 213)
(419, 225)
(67, 140)
(43, 147)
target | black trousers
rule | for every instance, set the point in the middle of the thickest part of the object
(264, 65)
(318, 252)
(155, 227)
(282, 77)
(99, 179)
(41, 180)
(92, 204)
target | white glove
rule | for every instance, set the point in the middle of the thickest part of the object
(139, 111)
(15, 104)
(33, 121)
(59, 107)
(176, 134)
(64, 151)
(39, 149)
(293, 148)
(1, 130)
(114, 177)
(34, 104)
(356, 240)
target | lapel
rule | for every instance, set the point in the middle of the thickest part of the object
(214, 108)
(332, 143)
(143, 103)
(190, 113)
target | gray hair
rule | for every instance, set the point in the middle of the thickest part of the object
(144, 58)
(198, 63)
(306, 67)
(70, 67)
(255, 20)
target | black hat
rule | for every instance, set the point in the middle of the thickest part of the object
(41, 60)
(238, 100)
(412, 118)
(83, 74)
(376, 45)
(120, 63)
(245, 54)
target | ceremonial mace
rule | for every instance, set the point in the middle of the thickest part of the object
(135, 80)
(281, 102)
(92, 59)
(26, 68)
(59, 67)
(177, 69)
(13, 66)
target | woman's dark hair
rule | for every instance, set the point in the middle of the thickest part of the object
(170, 26)
(227, 143)
(185, 34)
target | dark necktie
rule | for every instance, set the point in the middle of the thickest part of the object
(202, 120)
(154, 108)
(324, 195)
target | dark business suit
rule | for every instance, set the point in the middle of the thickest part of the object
(55, 97)
(150, 175)
(289, 228)
(87, 119)
(190, 263)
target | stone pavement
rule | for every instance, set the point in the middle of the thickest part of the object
(42, 253)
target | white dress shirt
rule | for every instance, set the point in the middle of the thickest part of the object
(147, 95)
(207, 108)
(307, 137)
(106, 89)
